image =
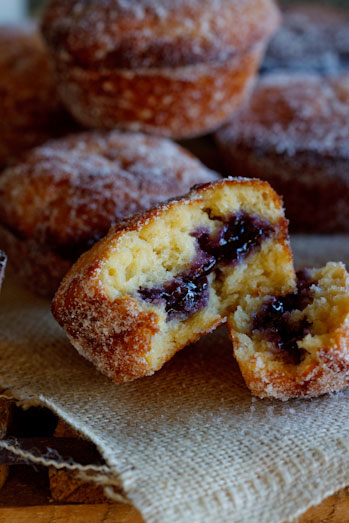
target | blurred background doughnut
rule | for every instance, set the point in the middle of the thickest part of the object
(313, 37)
(294, 133)
(67, 193)
(172, 67)
(30, 110)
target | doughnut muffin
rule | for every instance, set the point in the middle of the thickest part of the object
(30, 111)
(3, 259)
(177, 68)
(296, 345)
(294, 133)
(311, 38)
(67, 193)
(162, 279)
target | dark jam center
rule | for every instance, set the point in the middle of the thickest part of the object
(236, 238)
(186, 294)
(274, 320)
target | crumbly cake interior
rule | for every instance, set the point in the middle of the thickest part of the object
(285, 333)
(190, 266)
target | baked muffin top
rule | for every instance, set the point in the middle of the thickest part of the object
(290, 113)
(67, 193)
(100, 34)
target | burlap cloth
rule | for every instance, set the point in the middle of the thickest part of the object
(188, 444)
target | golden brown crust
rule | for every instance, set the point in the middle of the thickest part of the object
(329, 374)
(68, 192)
(115, 34)
(325, 367)
(106, 325)
(294, 134)
(30, 111)
(116, 335)
(173, 68)
(188, 102)
(137, 221)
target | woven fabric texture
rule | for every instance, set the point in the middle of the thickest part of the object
(189, 444)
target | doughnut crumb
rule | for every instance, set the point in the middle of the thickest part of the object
(296, 345)
(161, 280)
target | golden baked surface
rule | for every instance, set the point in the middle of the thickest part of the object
(107, 34)
(298, 350)
(171, 68)
(30, 111)
(67, 193)
(160, 280)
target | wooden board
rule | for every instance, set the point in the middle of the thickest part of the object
(333, 510)
(28, 486)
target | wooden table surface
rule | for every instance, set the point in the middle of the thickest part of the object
(333, 510)
(27, 486)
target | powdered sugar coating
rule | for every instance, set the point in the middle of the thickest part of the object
(153, 33)
(68, 192)
(312, 38)
(288, 114)
(30, 110)
(118, 332)
(173, 68)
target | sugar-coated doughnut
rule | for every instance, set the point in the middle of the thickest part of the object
(160, 280)
(294, 133)
(177, 68)
(66, 194)
(311, 38)
(296, 345)
(30, 111)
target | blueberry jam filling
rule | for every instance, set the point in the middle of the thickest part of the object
(274, 320)
(186, 294)
(237, 237)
